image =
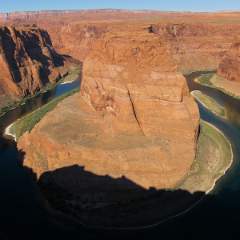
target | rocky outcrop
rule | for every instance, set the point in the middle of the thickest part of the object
(229, 68)
(133, 120)
(77, 39)
(27, 61)
(197, 46)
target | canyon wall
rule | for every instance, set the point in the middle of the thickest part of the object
(198, 46)
(229, 68)
(28, 61)
(198, 41)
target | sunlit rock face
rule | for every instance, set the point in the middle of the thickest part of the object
(198, 46)
(196, 41)
(27, 61)
(194, 46)
(133, 117)
(229, 68)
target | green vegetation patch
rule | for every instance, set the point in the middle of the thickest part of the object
(209, 103)
(205, 79)
(214, 156)
(27, 123)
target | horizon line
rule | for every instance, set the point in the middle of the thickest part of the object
(119, 9)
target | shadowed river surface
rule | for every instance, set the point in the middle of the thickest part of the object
(24, 211)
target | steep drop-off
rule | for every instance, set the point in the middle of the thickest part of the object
(28, 61)
(197, 46)
(197, 41)
(229, 68)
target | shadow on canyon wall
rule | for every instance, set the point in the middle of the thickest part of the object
(24, 212)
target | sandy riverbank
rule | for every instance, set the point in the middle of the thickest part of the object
(8, 132)
(214, 157)
(214, 81)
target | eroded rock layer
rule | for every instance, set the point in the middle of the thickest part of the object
(194, 46)
(197, 46)
(229, 68)
(133, 121)
(197, 40)
(27, 62)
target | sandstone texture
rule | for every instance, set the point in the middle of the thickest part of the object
(133, 117)
(197, 46)
(197, 41)
(28, 61)
(229, 68)
(194, 46)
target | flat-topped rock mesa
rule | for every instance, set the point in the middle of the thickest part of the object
(197, 46)
(229, 68)
(28, 61)
(134, 117)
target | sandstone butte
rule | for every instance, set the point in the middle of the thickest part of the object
(133, 118)
(229, 68)
(28, 61)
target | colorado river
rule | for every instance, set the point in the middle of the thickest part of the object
(23, 207)
(229, 126)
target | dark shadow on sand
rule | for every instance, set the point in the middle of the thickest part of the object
(25, 213)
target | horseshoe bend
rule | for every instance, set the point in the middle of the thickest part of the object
(139, 141)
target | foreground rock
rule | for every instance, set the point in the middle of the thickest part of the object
(27, 61)
(133, 121)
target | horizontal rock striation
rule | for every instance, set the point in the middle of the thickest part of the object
(197, 46)
(197, 41)
(27, 61)
(229, 68)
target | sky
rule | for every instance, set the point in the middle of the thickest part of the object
(164, 5)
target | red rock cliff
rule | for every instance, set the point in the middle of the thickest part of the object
(229, 68)
(27, 61)
(197, 41)
(197, 46)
